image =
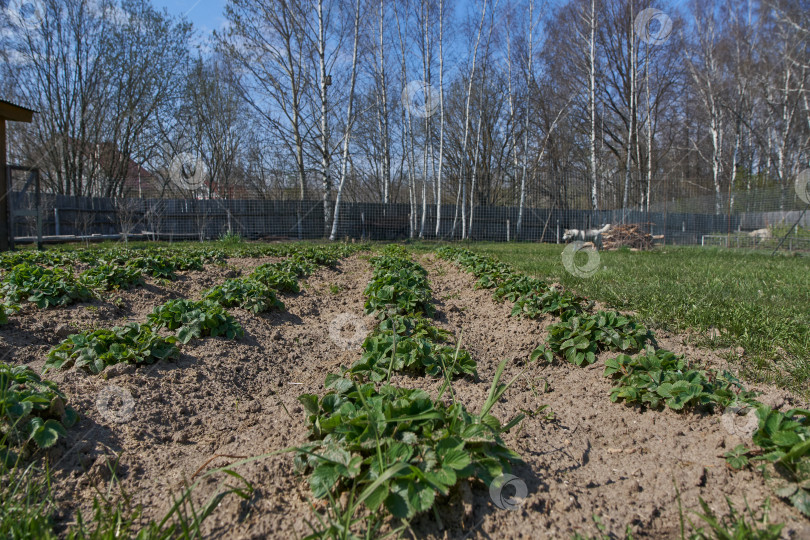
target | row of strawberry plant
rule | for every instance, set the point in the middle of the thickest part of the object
(400, 296)
(258, 291)
(33, 412)
(656, 377)
(380, 453)
(188, 319)
(579, 336)
(398, 286)
(51, 286)
(532, 297)
(46, 279)
(178, 257)
(140, 344)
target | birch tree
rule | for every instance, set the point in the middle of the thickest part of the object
(441, 121)
(349, 123)
(268, 46)
(529, 71)
(704, 67)
(462, 193)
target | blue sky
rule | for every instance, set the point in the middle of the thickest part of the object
(207, 15)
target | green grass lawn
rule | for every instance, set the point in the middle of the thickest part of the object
(756, 301)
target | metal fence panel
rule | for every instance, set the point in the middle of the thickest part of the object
(193, 219)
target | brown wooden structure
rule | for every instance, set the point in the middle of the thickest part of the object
(11, 113)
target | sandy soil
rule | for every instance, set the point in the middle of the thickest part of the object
(159, 425)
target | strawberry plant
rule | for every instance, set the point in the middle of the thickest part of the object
(658, 378)
(32, 410)
(321, 257)
(489, 270)
(395, 450)
(398, 286)
(10, 259)
(273, 275)
(246, 293)
(536, 302)
(514, 286)
(413, 354)
(110, 277)
(155, 265)
(578, 338)
(388, 263)
(402, 293)
(396, 251)
(195, 319)
(93, 351)
(45, 287)
(297, 266)
(416, 327)
(187, 261)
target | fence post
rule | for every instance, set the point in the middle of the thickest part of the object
(507, 230)
(300, 232)
(558, 231)
(56, 221)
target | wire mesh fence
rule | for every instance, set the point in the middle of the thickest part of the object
(752, 219)
(64, 217)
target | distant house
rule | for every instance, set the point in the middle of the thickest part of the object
(105, 169)
(137, 182)
(233, 191)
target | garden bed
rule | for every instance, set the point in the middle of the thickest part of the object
(587, 463)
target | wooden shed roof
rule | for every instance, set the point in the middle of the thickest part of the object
(15, 113)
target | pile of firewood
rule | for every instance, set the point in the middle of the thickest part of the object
(633, 235)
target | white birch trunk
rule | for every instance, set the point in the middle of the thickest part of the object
(441, 120)
(475, 171)
(649, 134)
(632, 117)
(467, 124)
(385, 128)
(324, 120)
(592, 105)
(408, 125)
(529, 77)
(429, 112)
(349, 123)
